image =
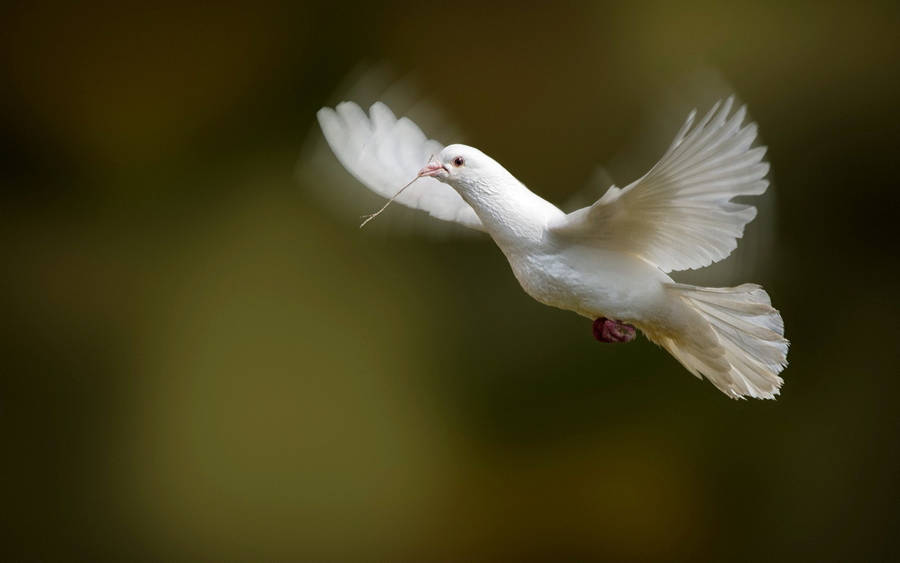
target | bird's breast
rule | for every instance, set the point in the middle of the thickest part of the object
(588, 281)
(547, 278)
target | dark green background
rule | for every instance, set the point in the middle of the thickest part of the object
(203, 360)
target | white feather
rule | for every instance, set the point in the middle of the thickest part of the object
(385, 153)
(680, 215)
(734, 338)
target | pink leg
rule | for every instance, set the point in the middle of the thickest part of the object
(608, 330)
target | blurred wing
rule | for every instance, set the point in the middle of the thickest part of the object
(679, 215)
(385, 153)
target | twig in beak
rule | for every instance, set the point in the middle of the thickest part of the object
(368, 218)
(377, 213)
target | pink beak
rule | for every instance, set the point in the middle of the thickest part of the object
(433, 168)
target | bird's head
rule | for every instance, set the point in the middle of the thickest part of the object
(464, 168)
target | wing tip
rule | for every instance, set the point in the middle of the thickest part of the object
(345, 104)
(381, 115)
(726, 107)
(325, 114)
(332, 127)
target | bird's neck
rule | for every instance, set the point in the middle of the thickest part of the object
(513, 215)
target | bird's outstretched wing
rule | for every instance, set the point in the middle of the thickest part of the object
(680, 216)
(385, 153)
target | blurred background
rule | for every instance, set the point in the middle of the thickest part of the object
(205, 359)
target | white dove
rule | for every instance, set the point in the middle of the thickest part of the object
(610, 261)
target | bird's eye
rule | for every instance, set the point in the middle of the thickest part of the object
(458, 161)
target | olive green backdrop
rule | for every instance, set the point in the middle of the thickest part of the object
(205, 359)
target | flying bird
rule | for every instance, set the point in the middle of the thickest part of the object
(610, 261)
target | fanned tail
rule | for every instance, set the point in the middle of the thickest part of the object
(739, 345)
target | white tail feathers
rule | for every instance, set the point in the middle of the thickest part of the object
(739, 345)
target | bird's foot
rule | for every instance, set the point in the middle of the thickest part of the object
(608, 330)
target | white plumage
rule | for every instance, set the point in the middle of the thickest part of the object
(384, 153)
(609, 260)
(679, 215)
